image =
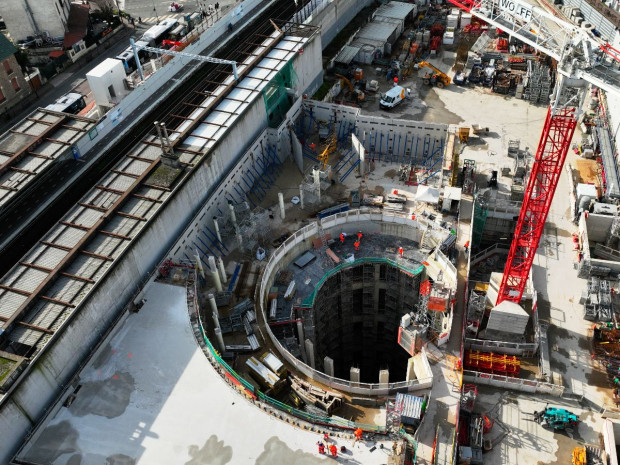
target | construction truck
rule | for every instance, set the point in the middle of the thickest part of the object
(355, 93)
(436, 78)
(557, 419)
(393, 97)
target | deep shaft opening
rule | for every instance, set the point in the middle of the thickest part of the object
(357, 313)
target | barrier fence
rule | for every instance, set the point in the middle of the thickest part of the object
(507, 382)
(273, 265)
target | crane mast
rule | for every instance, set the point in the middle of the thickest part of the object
(582, 59)
(552, 149)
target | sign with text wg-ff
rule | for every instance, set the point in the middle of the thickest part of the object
(517, 8)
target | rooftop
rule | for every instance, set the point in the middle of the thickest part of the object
(6, 47)
(77, 25)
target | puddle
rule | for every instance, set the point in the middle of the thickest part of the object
(108, 398)
(213, 452)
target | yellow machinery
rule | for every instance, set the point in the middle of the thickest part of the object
(464, 134)
(579, 456)
(357, 94)
(438, 78)
(329, 148)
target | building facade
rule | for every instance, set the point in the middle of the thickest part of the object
(13, 85)
(26, 18)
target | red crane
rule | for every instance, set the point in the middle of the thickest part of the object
(559, 125)
(544, 176)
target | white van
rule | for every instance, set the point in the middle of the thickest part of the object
(392, 97)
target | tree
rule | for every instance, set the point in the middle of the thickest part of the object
(107, 8)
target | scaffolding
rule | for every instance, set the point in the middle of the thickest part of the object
(539, 83)
(481, 211)
(468, 177)
(475, 312)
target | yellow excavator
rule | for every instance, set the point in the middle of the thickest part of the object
(357, 94)
(437, 78)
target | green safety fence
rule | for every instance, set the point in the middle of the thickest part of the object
(412, 442)
(276, 96)
(309, 301)
(309, 417)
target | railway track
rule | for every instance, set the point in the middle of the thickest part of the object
(173, 112)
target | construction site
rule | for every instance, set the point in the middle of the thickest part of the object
(386, 232)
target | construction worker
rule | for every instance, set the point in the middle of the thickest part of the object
(358, 435)
(401, 252)
(334, 450)
(321, 447)
(466, 246)
(359, 236)
(357, 245)
(342, 236)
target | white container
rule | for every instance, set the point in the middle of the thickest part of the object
(426, 37)
(452, 21)
(455, 12)
(419, 35)
(448, 38)
(465, 19)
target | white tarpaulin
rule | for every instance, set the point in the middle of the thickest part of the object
(452, 193)
(427, 194)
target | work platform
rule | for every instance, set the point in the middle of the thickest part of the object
(168, 405)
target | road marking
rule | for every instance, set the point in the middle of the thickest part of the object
(153, 19)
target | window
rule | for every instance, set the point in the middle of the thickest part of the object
(7, 67)
(15, 84)
(2, 97)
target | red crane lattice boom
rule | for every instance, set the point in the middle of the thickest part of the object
(550, 155)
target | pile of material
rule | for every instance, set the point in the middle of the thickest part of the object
(488, 362)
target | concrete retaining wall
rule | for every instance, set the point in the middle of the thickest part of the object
(331, 15)
(356, 220)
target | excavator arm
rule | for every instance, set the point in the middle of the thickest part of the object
(445, 79)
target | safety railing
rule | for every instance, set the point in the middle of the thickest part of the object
(507, 382)
(523, 348)
(309, 301)
(305, 234)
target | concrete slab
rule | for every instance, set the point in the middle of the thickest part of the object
(150, 396)
(518, 439)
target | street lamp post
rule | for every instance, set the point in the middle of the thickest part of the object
(155, 11)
